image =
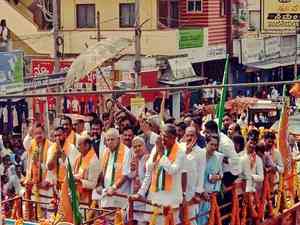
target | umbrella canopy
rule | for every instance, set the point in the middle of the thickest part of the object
(94, 57)
(294, 124)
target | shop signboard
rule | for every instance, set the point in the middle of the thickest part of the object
(272, 48)
(280, 15)
(253, 50)
(181, 68)
(11, 72)
(44, 81)
(46, 66)
(287, 46)
(190, 38)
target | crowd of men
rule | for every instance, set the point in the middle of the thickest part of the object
(168, 162)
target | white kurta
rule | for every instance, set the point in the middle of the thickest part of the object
(112, 201)
(253, 176)
(194, 165)
(226, 147)
(164, 198)
(174, 197)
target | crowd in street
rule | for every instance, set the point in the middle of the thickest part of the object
(169, 162)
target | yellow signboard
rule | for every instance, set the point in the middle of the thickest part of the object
(280, 15)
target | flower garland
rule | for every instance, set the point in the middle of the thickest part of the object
(153, 219)
(248, 204)
(214, 214)
(235, 217)
(169, 217)
(279, 196)
(185, 216)
(17, 209)
(19, 222)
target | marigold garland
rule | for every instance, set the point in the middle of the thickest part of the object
(17, 209)
(19, 222)
(214, 214)
(169, 217)
(153, 219)
(278, 198)
(235, 217)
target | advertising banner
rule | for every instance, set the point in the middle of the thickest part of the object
(253, 50)
(11, 72)
(46, 66)
(272, 48)
(280, 15)
(191, 38)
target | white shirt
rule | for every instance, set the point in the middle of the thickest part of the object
(174, 197)
(126, 171)
(252, 176)
(226, 147)
(194, 165)
(113, 201)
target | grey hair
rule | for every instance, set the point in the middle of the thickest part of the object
(112, 132)
(138, 138)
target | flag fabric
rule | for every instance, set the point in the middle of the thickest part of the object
(221, 106)
(295, 91)
(69, 199)
(283, 145)
(283, 130)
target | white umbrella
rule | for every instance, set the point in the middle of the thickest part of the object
(94, 57)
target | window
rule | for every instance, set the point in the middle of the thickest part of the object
(194, 5)
(85, 14)
(127, 12)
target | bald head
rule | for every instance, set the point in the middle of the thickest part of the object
(84, 144)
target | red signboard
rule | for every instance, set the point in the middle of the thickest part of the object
(46, 66)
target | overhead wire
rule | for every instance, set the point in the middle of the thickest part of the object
(147, 90)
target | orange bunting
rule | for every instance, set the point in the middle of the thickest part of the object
(169, 217)
(214, 214)
(235, 217)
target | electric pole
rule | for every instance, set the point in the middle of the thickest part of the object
(98, 26)
(296, 54)
(138, 32)
(55, 53)
(55, 36)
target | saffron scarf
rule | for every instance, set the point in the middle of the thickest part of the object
(161, 181)
(118, 161)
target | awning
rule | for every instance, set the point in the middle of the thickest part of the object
(182, 81)
(274, 63)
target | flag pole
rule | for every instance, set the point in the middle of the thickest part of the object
(221, 105)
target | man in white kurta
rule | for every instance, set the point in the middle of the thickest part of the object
(252, 164)
(194, 168)
(115, 171)
(160, 165)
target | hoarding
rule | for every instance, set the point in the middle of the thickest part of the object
(191, 38)
(11, 72)
(280, 15)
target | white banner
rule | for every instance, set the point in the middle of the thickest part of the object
(253, 50)
(287, 46)
(272, 48)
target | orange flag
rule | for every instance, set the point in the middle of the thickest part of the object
(65, 203)
(283, 145)
(295, 91)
